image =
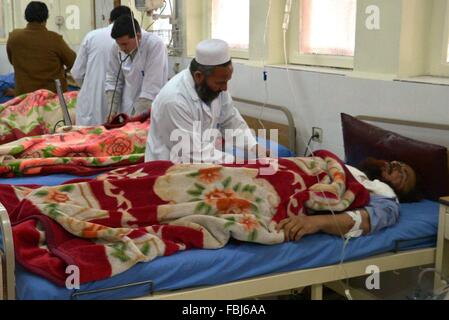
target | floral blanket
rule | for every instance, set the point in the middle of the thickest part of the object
(33, 114)
(83, 151)
(105, 226)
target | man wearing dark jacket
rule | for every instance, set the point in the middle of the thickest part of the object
(39, 56)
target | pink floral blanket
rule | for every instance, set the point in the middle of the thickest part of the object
(33, 114)
(83, 151)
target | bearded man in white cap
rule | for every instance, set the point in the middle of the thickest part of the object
(193, 107)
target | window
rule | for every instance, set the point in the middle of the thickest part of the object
(447, 51)
(235, 30)
(328, 27)
(5, 19)
(162, 25)
(2, 21)
(167, 27)
(324, 33)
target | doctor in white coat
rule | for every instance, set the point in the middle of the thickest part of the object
(89, 71)
(138, 68)
(194, 105)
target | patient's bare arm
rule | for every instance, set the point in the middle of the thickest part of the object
(296, 228)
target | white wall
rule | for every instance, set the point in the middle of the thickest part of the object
(5, 66)
(322, 97)
(59, 7)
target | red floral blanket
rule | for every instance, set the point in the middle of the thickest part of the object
(106, 225)
(84, 151)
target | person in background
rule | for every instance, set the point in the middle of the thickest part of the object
(388, 182)
(89, 71)
(194, 102)
(38, 56)
(138, 69)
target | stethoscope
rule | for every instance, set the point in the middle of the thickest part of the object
(122, 61)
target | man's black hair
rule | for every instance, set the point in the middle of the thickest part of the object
(206, 70)
(413, 195)
(123, 26)
(36, 11)
(119, 11)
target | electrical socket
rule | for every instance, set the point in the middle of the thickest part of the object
(59, 21)
(317, 134)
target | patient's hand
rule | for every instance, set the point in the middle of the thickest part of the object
(295, 228)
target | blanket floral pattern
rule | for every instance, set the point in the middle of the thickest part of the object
(33, 114)
(136, 214)
(83, 151)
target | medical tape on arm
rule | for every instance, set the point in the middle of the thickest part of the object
(356, 230)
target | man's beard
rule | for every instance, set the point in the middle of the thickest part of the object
(372, 168)
(205, 93)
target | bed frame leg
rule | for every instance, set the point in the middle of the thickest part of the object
(317, 292)
(7, 259)
(442, 256)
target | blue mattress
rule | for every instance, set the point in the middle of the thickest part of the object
(4, 99)
(417, 228)
(283, 152)
(50, 180)
(8, 81)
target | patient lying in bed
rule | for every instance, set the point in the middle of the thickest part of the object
(106, 225)
(388, 182)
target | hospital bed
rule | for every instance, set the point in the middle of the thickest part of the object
(442, 257)
(8, 81)
(242, 270)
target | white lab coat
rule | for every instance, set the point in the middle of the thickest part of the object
(143, 76)
(89, 71)
(178, 106)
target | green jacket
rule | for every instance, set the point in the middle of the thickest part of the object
(38, 57)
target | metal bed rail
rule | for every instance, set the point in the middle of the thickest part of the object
(7, 257)
(291, 122)
(407, 123)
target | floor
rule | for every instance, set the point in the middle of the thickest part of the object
(398, 285)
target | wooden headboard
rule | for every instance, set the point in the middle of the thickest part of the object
(286, 133)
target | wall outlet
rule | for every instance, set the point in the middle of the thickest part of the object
(317, 134)
(59, 21)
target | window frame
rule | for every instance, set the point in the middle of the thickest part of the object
(154, 23)
(319, 60)
(9, 21)
(446, 37)
(438, 66)
(235, 53)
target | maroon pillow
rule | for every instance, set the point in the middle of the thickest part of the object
(362, 140)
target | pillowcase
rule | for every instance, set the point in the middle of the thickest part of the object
(430, 161)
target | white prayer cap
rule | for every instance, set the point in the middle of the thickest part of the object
(212, 52)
